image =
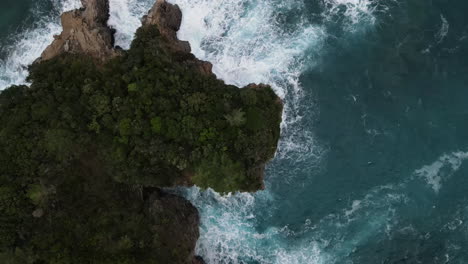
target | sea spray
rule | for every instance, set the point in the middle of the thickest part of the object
(125, 17)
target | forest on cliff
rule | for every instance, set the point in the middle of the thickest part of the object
(86, 144)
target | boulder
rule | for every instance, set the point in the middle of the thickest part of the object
(168, 18)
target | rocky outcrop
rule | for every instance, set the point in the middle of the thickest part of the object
(177, 224)
(85, 31)
(168, 18)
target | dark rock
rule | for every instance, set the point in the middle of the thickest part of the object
(176, 223)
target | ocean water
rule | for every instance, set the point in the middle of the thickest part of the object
(372, 165)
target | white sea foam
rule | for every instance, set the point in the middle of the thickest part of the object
(354, 207)
(309, 253)
(229, 234)
(29, 44)
(354, 11)
(125, 17)
(442, 169)
(444, 29)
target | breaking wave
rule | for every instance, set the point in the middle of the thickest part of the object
(27, 45)
(272, 42)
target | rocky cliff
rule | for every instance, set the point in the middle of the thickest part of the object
(85, 31)
(168, 18)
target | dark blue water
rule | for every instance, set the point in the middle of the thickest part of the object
(372, 164)
(12, 15)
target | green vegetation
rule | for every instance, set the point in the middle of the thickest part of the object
(80, 145)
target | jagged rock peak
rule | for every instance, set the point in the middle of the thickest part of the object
(96, 12)
(168, 18)
(85, 31)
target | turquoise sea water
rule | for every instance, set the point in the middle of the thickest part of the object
(373, 161)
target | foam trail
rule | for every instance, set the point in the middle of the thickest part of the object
(444, 29)
(241, 35)
(228, 237)
(28, 45)
(441, 169)
(355, 11)
(378, 213)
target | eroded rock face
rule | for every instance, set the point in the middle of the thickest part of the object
(168, 18)
(176, 223)
(96, 12)
(85, 31)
